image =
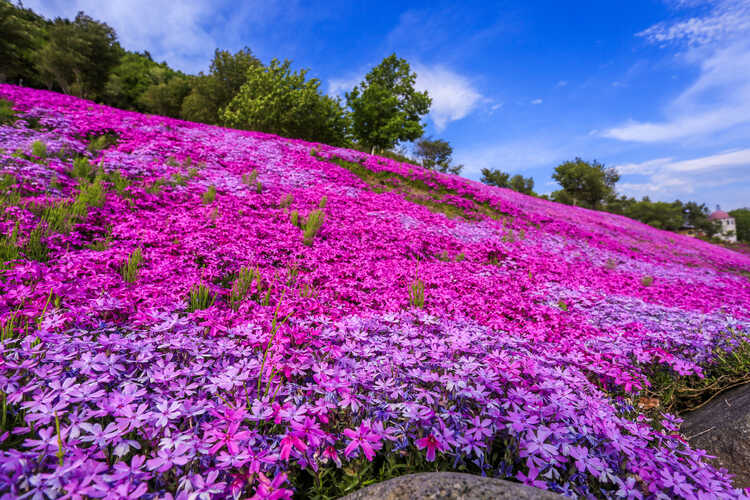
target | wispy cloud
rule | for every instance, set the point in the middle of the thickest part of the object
(337, 87)
(536, 101)
(669, 178)
(172, 31)
(719, 45)
(185, 34)
(453, 95)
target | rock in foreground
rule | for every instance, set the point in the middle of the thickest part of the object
(448, 486)
(722, 428)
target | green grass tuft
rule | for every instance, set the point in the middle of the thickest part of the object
(312, 226)
(39, 149)
(82, 169)
(7, 115)
(35, 248)
(129, 269)
(210, 195)
(200, 298)
(9, 248)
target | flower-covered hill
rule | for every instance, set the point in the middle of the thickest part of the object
(195, 312)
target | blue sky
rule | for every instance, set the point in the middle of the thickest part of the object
(659, 89)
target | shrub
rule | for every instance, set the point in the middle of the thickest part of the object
(200, 298)
(323, 202)
(294, 218)
(129, 269)
(210, 195)
(312, 226)
(647, 280)
(193, 173)
(258, 187)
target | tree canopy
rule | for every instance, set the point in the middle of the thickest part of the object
(586, 184)
(212, 92)
(742, 221)
(385, 107)
(79, 56)
(437, 154)
(494, 177)
(277, 100)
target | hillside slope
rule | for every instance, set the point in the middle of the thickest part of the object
(539, 327)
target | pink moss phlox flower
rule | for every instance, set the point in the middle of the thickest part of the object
(433, 444)
(271, 489)
(363, 438)
(227, 435)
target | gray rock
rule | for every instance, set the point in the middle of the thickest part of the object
(722, 428)
(449, 486)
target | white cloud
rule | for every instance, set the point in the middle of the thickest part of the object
(671, 178)
(729, 17)
(719, 99)
(536, 101)
(172, 31)
(561, 83)
(337, 87)
(453, 95)
(644, 168)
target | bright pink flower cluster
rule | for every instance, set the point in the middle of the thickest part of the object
(125, 389)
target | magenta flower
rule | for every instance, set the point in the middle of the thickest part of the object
(433, 444)
(363, 438)
(229, 437)
(271, 489)
(289, 443)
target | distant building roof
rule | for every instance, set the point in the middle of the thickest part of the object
(719, 214)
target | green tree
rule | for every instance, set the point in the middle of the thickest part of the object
(79, 56)
(21, 34)
(742, 223)
(165, 98)
(494, 177)
(276, 100)
(437, 154)
(212, 92)
(585, 184)
(522, 184)
(385, 106)
(131, 78)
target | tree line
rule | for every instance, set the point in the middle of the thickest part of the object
(593, 185)
(83, 57)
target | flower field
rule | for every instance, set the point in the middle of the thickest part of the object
(191, 312)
